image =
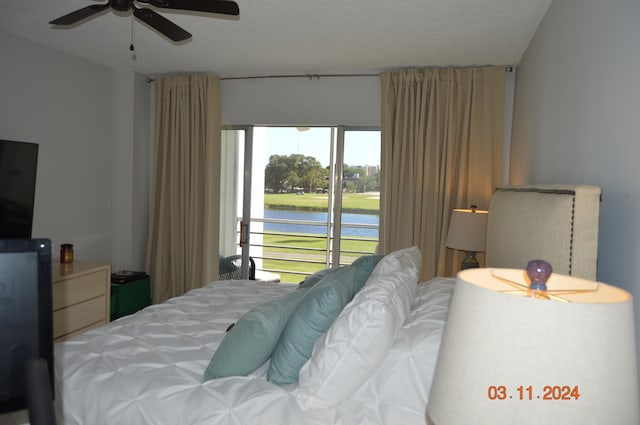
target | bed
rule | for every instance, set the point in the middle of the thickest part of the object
(371, 364)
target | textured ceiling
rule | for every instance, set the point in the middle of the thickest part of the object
(293, 36)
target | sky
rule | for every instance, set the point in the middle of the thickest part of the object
(361, 147)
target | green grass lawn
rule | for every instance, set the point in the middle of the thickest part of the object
(351, 202)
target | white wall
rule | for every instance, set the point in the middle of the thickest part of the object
(84, 118)
(131, 171)
(66, 105)
(577, 120)
(300, 101)
(141, 177)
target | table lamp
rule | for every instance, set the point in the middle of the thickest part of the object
(468, 232)
(519, 350)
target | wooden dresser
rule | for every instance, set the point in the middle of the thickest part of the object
(81, 293)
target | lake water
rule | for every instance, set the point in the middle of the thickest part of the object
(321, 217)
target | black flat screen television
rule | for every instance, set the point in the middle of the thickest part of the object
(26, 320)
(18, 166)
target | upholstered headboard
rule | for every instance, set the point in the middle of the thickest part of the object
(555, 223)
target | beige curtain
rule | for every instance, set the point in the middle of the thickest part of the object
(442, 132)
(182, 248)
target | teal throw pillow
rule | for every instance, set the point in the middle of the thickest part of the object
(253, 338)
(317, 277)
(313, 316)
(363, 267)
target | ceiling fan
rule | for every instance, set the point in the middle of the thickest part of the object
(150, 16)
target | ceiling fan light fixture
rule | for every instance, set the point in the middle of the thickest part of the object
(150, 16)
(121, 5)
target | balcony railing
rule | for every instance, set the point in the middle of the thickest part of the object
(305, 253)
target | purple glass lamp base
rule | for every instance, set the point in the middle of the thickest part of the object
(539, 272)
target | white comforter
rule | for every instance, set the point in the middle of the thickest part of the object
(147, 368)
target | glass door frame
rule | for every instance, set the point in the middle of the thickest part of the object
(336, 235)
(245, 222)
(336, 211)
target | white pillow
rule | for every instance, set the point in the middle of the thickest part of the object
(403, 379)
(398, 260)
(362, 334)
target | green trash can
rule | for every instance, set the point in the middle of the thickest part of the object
(130, 292)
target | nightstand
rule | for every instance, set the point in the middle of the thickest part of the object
(129, 295)
(81, 295)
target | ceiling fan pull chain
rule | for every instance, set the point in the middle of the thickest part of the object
(131, 46)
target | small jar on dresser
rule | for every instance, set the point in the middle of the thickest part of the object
(81, 295)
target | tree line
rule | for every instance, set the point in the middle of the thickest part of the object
(296, 172)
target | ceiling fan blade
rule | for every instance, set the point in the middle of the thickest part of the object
(79, 15)
(225, 7)
(161, 24)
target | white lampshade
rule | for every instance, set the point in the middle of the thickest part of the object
(467, 230)
(502, 352)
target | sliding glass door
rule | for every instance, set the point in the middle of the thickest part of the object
(299, 199)
(358, 200)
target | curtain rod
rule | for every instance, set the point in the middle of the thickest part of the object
(307, 76)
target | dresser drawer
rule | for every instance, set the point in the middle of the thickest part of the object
(81, 295)
(79, 316)
(74, 290)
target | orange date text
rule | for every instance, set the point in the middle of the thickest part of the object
(548, 392)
